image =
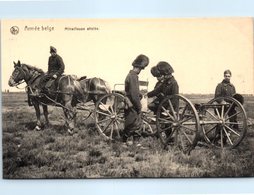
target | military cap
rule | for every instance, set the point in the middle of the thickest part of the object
(52, 49)
(141, 61)
(165, 68)
(227, 72)
(155, 72)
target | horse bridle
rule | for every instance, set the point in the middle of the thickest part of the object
(21, 81)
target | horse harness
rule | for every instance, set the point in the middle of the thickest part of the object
(29, 88)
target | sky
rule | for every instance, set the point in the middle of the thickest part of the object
(198, 49)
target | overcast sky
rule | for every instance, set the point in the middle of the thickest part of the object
(198, 49)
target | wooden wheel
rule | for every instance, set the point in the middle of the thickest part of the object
(177, 123)
(109, 116)
(223, 122)
(148, 127)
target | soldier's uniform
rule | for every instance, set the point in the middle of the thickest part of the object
(168, 86)
(133, 110)
(225, 89)
(156, 91)
(55, 67)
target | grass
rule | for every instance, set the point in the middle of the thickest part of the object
(52, 153)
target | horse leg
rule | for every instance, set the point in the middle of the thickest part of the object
(70, 115)
(38, 115)
(45, 112)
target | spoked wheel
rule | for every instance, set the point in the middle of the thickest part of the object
(224, 122)
(177, 123)
(148, 124)
(109, 116)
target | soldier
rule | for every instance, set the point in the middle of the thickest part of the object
(167, 85)
(55, 69)
(225, 88)
(133, 109)
(155, 92)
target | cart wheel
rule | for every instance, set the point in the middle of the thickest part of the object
(148, 127)
(177, 123)
(109, 116)
(224, 122)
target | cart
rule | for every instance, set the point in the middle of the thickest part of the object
(109, 114)
(222, 122)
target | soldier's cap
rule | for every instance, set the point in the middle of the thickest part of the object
(155, 72)
(52, 49)
(228, 72)
(165, 68)
(141, 61)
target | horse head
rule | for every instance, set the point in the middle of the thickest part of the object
(17, 75)
(23, 72)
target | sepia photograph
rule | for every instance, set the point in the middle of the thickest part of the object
(127, 98)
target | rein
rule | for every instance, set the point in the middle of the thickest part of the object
(20, 82)
(59, 104)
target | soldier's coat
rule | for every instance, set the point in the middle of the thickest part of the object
(162, 89)
(132, 116)
(167, 87)
(55, 65)
(225, 89)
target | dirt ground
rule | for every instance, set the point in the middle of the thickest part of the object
(53, 153)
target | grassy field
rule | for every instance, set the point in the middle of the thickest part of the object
(52, 153)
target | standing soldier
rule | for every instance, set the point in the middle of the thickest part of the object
(133, 110)
(166, 85)
(55, 69)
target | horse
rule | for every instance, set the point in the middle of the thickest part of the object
(67, 92)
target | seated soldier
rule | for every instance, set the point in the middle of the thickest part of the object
(167, 85)
(227, 89)
(55, 69)
(154, 93)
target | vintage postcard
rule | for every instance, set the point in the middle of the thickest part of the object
(127, 98)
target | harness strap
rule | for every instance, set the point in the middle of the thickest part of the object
(33, 78)
(17, 84)
(55, 102)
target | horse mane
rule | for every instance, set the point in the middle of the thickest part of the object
(33, 68)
